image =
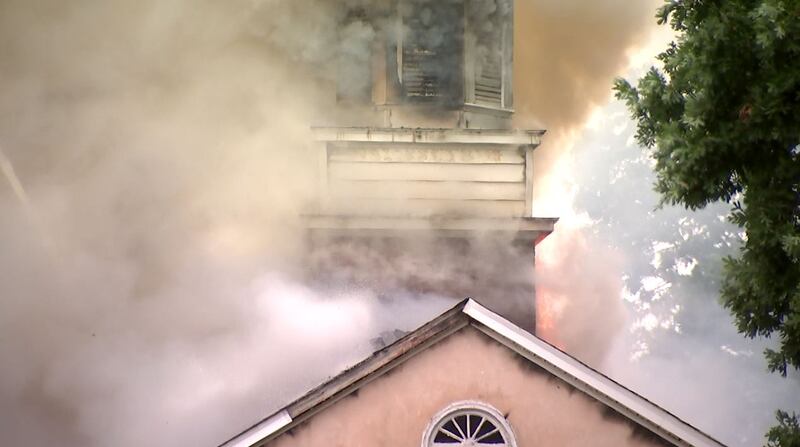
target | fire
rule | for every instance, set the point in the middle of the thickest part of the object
(551, 304)
(554, 196)
(578, 278)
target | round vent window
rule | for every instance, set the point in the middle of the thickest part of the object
(473, 424)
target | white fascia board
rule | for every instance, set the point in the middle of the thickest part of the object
(261, 431)
(428, 136)
(611, 393)
(432, 223)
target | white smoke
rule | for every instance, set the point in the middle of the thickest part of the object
(150, 286)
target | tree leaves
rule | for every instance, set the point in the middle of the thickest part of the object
(721, 118)
(786, 433)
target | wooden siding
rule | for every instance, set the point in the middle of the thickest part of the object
(406, 179)
(371, 189)
(422, 207)
(409, 153)
(426, 171)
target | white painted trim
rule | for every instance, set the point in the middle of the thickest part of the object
(586, 379)
(332, 222)
(323, 187)
(469, 406)
(498, 111)
(261, 431)
(428, 136)
(557, 363)
(529, 170)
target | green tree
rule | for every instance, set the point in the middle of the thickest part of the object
(787, 432)
(723, 120)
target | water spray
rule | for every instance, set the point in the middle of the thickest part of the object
(22, 196)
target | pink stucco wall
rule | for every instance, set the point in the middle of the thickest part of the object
(394, 410)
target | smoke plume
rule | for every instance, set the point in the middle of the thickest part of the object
(566, 56)
(149, 287)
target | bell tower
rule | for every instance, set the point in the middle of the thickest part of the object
(423, 184)
(445, 63)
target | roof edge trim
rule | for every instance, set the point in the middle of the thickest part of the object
(586, 379)
(428, 135)
(261, 430)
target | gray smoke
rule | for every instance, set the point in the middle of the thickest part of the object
(148, 235)
(679, 347)
(151, 265)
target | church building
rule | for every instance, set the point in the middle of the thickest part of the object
(423, 168)
(422, 164)
(471, 378)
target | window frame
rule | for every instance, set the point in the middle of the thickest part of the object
(469, 406)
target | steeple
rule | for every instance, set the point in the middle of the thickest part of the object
(448, 59)
(433, 192)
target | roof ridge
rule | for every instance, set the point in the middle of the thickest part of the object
(468, 312)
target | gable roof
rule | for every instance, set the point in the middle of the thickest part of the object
(470, 312)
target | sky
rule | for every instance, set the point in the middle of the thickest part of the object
(678, 346)
(154, 162)
(669, 338)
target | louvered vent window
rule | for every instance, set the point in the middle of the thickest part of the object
(454, 52)
(488, 77)
(430, 66)
(469, 424)
(489, 53)
(354, 70)
(420, 76)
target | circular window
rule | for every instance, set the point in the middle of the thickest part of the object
(469, 424)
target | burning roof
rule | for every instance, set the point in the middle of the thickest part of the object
(469, 313)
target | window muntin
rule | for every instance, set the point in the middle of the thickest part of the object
(430, 49)
(488, 52)
(468, 423)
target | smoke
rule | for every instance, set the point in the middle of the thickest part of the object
(493, 269)
(149, 244)
(567, 52)
(566, 57)
(677, 346)
(578, 305)
(159, 148)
